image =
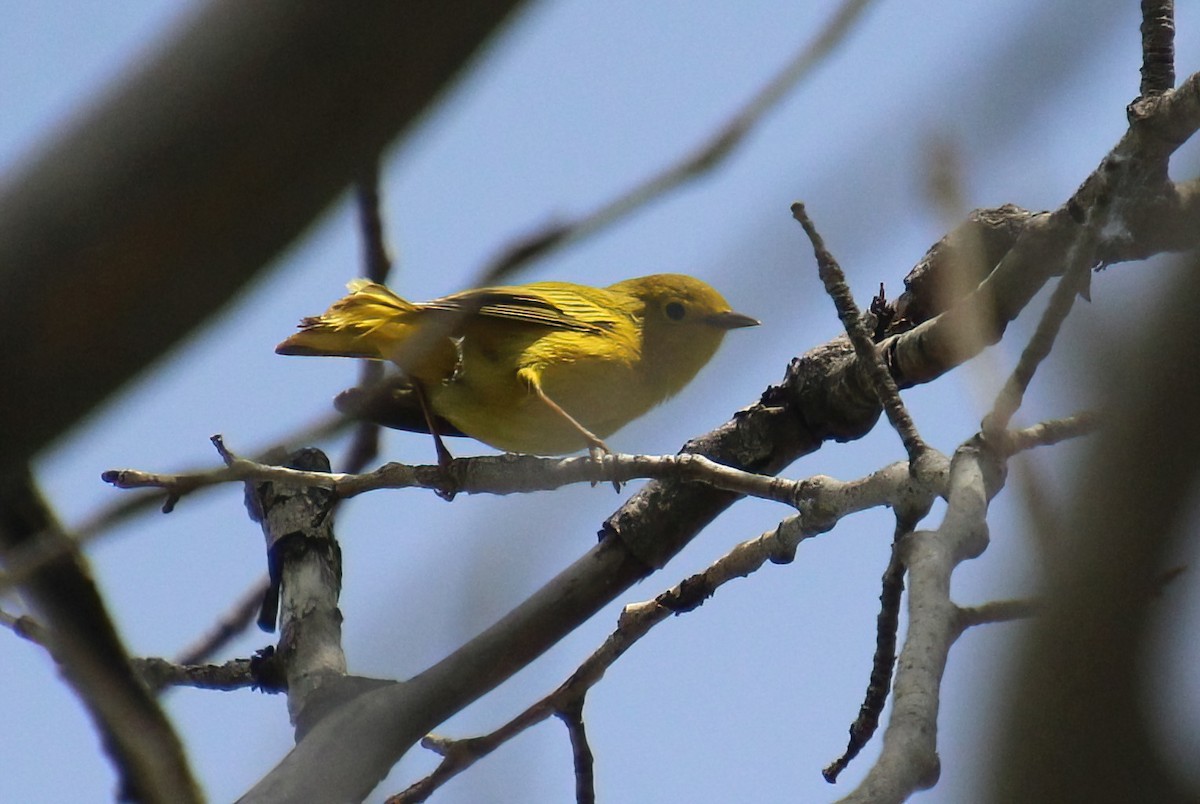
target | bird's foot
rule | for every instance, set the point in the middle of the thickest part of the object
(606, 458)
(447, 485)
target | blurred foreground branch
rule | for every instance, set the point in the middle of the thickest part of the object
(169, 196)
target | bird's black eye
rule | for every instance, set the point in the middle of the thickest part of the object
(674, 311)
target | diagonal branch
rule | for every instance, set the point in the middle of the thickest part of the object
(1079, 259)
(79, 634)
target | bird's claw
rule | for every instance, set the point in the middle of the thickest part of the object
(447, 485)
(601, 454)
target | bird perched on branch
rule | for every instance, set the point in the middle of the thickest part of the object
(546, 368)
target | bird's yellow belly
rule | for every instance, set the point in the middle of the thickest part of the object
(492, 403)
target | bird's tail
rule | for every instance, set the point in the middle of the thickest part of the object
(371, 321)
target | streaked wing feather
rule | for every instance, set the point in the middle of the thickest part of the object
(525, 308)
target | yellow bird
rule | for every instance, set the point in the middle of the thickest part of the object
(546, 368)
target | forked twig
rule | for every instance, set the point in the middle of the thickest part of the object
(885, 386)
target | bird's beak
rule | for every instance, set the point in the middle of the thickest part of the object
(731, 320)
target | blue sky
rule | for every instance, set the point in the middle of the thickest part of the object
(750, 696)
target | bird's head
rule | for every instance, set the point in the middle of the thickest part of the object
(684, 321)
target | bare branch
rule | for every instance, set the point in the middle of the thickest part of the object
(581, 753)
(1079, 259)
(27, 558)
(305, 564)
(835, 285)
(159, 674)
(998, 611)
(887, 625)
(146, 752)
(778, 545)
(1158, 46)
(1134, 211)
(909, 759)
(502, 474)
(1051, 432)
(298, 96)
(376, 259)
(378, 264)
(26, 627)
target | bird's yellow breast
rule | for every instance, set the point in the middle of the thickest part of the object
(597, 377)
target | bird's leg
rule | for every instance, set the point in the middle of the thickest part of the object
(448, 486)
(594, 442)
(596, 446)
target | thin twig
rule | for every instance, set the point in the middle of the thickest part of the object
(887, 626)
(376, 258)
(364, 447)
(998, 611)
(26, 627)
(1079, 259)
(538, 244)
(510, 474)
(581, 753)
(501, 474)
(1003, 611)
(1052, 431)
(160, 674)
(885, 386)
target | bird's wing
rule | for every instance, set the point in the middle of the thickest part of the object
(545, 304)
